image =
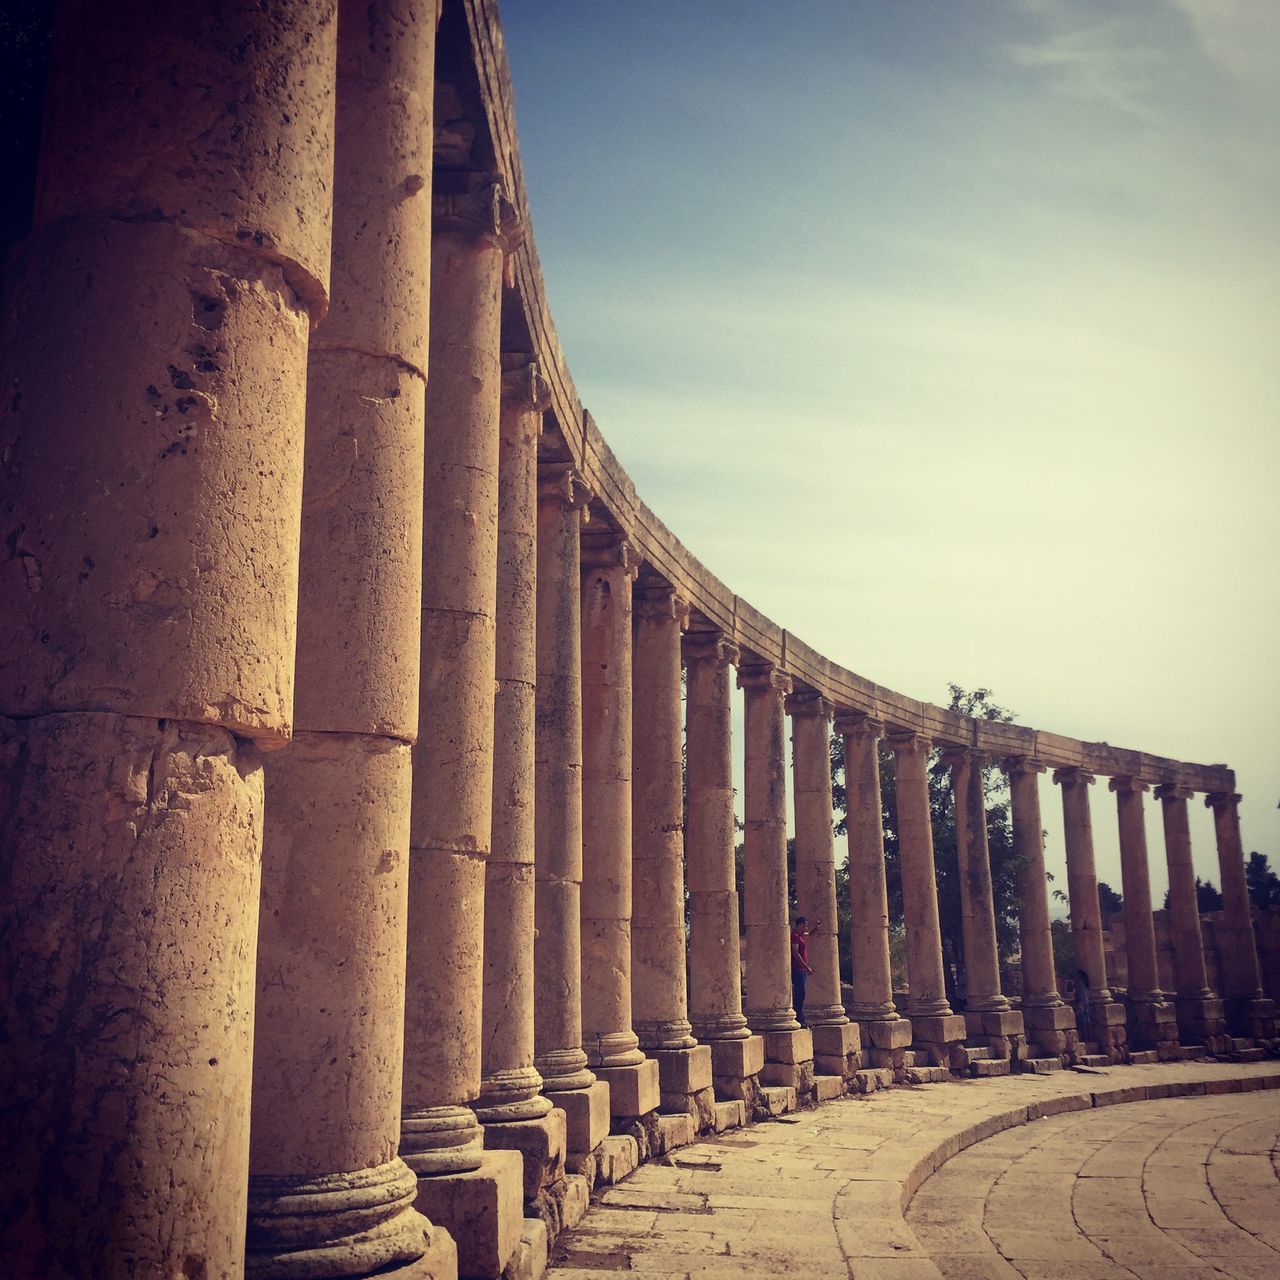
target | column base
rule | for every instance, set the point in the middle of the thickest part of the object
(483, 1210)
(1152, 1024)
(788, 1061)
(837, 1049)
(1107, 1032)
(1202, 1020)
(1002, 1031)
(685, 1080)
(1252, 1016)
(541, 1144)
(885, 1042)
(735, 1070)
(633, 1089)
(1051, 1030)
(586, 1114)
(940, 1037)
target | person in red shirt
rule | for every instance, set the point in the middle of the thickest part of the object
(800, 967)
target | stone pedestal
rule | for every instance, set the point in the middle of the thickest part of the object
(482, 1209)
(634, 1090)
(586, 1113)
(541, 1143)
(735, 1068)
(837, 1049)
(885, 1042)
(1000, 1030)
(1152, 1024)
(685, 1082)
(1107, 1029)
(1251, 1016)
(940, 1038)
(1051, 1030)
(788, 1060)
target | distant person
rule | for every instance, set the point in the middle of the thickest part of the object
(800, 967)
(1080, 999)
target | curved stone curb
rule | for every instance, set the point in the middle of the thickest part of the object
(870, 1209)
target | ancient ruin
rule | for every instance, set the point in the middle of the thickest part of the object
(342, 831)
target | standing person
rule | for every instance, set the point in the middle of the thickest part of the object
(800, 967)
(1081, 1002)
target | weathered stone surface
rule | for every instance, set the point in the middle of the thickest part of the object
(541, 1142)
(737, 1058)
(633, 1090)
(481, 1209)
(586, 1115)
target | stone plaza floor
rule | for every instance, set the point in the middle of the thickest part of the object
(1032, 1176)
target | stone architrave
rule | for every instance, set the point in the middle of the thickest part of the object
(327, 1194)
(612, 1047)
(1249, 1013)
(557, 949)
(1050, 1023)
(1106, 1017)
(715, 953)
(154, 370)
(987, 1013)
(1201, 1019)
(836, 1042)
(1152, 1023)
(936, 1030)
(885, 1035)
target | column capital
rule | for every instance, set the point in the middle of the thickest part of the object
(1173, 791)
(1128, 785)
(1073, 775)
(610, 551)
(859, 725)
(1229, 800)
(807, 702)
(661, 601)
(975, 757)
(764, 675)
(1020, 766)
(711, 646)
(523, 386)
(485, 211)
(906, 742)
(563, 482)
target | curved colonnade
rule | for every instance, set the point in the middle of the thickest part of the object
(458, 883)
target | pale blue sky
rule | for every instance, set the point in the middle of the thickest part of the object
(945, 332)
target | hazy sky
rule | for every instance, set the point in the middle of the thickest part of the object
(945, 332)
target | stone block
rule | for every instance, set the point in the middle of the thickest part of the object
(440, 1262)
(619, 1156)
(836, 1041)
(586, 1114)
(1005, 1022)
(730, 1115)
(675, 1131)
(788, 1046)
(529, 1262)
(779, 1100)
(574, 1202)
(1251, 1016)
(737, 1058)
(886, 1059)
(887, 1035)
(789, 1075)
(483, 1210)
(1055, 1017)
(633, 1090)
(943, 1029)
(541, 1144)
(684, 1070)
(843, 1065)
(1110, 1013)
(828, 1088)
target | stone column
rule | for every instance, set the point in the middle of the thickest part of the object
(987, 1013)
(1200, 1013)
(658, 989)
(715, 953)
(154, 370)
(1151, 1019)
(452, 819)
(788, 1047)
(557, 949)
(937, 1031)
(1050, 1023)
(1248, 1012)
(1106, 1016)
(885, 1035)
(836, 1042)
(515, 1114)
(327, 1194)
(608, 572)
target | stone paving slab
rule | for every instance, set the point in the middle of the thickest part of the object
(826, 1192)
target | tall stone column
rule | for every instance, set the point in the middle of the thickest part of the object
(1151, 1020)
(658, 990)
(1200, 1013)
(987, 1013)
(1050, 1023)
(1248, 1012)
(515, 1114)
(836, 1042)
(885, 1035)
(328, 1196)
(936, 1030)
(715, 963)
(1106, 1017)
(154, 370)
(452, 815)
(788, 1047)
(557, 949)
(608, 571)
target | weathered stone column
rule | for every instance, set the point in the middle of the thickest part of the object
(327, 1194)
(452, 819)
(151, 436)
(885, 1035)
(1106, 1016)
(1248, 1012)
(511, 1106)
(1050, 1023)
(557, 950)
(1200, 1014)
(936, 1030)
(715, 964)
(788, 1048)
(657, 874)
(1152, 1023)
(836, 1042)
(608, 571)
(987, 1013)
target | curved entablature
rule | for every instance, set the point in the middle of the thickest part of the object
(573, 436)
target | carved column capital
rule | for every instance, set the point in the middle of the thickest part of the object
(907, 742)
(1020, 766)
(485, 211)
(764, 675)
(957, 757)
(662, 601)
(563, 482)
(711, 646)
(1128, 785)
(1226, 800)
(859, 726)
(807, 702)
(1074, 776)
(609, 550)
(1173, 791)
(523, 386)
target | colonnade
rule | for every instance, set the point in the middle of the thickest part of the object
(369, 839)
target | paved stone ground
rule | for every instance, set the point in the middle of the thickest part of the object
(823, 1193)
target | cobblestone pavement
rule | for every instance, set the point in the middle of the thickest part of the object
(822, 1193)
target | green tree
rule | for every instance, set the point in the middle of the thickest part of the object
(1109, 900)
(1207, 896)
(1264, 884)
